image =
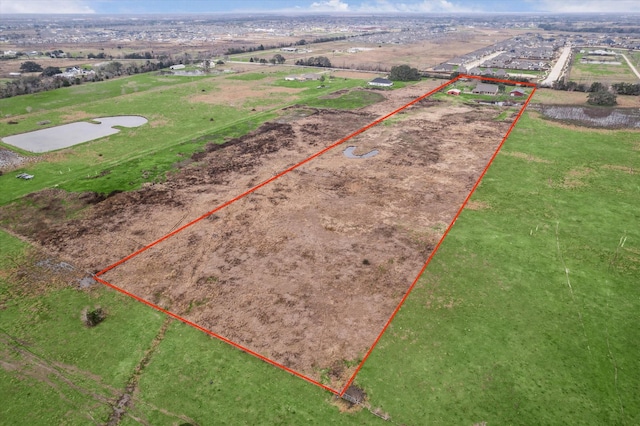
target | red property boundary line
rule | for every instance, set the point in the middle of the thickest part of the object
(279, 175)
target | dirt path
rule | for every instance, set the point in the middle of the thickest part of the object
(634, 69)
(126, 399)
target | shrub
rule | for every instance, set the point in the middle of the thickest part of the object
(93, 317)
(602, 98)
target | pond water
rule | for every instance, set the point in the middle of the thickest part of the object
(67, 135)
(594, 116)
(349, 153)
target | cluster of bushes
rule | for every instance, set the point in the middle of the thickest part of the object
(277, 59)
(626, 88)
(315, 61)
(600, 94)
(617, 88)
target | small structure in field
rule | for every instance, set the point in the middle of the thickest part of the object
(517, 93)
(454, 92)
(381, 82)
(485, 89)
(303, 77)
(177, 67)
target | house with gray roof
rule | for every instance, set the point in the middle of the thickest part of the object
(485, 89)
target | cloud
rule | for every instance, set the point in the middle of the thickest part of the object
(330, 6)
(388, 6)
(585, 6)
(425, 6)
(45, 6)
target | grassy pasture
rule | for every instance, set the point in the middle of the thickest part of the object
(526, 314)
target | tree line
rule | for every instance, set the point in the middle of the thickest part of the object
(51, 78)
(302, 42)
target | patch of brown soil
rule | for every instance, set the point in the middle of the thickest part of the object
(77, 116)
(355, 74)
(238, 91)
(307, 269)
(336, 94)
(525, 156)
(575, 178)
(618, 168)
(477, 205)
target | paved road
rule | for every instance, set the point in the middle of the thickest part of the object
(556, 71)
(635, 71)
(478, 62)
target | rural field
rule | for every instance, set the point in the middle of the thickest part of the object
(526, 313)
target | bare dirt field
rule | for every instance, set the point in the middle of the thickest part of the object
(307, 269)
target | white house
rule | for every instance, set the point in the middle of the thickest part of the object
(177, 67)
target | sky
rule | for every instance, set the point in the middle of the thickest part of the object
(315, 6)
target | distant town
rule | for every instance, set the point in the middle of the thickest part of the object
(537, 48)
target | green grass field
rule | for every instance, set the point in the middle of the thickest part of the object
(527, 314)
(603, 73)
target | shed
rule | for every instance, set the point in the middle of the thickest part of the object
(381, 82)
(454, 92)
(517, 93)
(177, 67)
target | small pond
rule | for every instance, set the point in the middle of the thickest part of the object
(67, 135)
(613, 118)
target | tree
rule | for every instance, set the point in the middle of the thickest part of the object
(602, 98)
(30, 66)
(597, 87)
(51, 71)
(279, 59)
(404, 73)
